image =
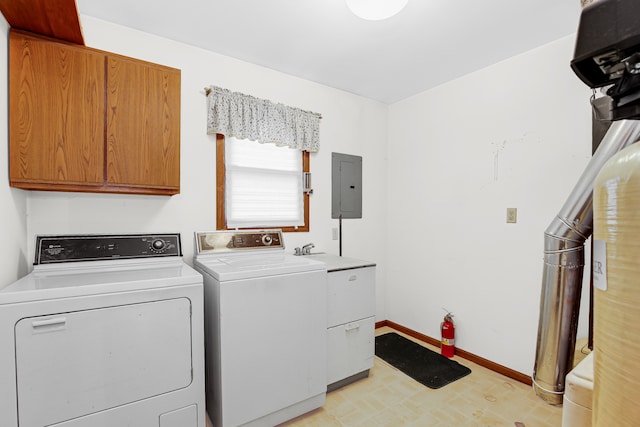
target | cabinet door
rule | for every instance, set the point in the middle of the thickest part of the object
(56, 122)
(350, 349)
(143, 126)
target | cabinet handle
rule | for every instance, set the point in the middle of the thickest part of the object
(352, 326)
(49, 323)
(353, 278)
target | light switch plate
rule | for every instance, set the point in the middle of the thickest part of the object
(512, 215)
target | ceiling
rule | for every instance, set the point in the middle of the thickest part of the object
(425, 45)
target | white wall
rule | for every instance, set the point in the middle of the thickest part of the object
(516, 134)
(13, 220)
(439, 171)
(350, 124)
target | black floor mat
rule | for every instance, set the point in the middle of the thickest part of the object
(423, 365)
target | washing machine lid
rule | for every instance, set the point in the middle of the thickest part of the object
(251, 265)
(244, 254)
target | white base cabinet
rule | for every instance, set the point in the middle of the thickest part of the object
(351, 309)
(351, 306)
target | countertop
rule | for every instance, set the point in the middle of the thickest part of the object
(337, 263)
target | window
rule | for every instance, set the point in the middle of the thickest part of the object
(252, 191)
(260, 186)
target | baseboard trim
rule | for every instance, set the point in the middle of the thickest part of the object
(500, 369)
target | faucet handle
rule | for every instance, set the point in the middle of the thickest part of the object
(306, 249)
(298, 251)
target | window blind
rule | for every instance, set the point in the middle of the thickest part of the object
(263, 185)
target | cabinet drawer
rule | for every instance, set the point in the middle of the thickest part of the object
(350, 349)
(351, 295)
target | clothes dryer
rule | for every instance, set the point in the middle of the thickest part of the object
(107, 330)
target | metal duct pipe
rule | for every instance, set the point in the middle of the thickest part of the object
(563, 267)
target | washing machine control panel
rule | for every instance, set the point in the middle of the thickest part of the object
(69, 248)
(238, 240)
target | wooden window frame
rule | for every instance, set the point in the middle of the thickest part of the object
(221, 214)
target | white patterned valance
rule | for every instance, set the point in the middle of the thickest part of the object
(241, 116)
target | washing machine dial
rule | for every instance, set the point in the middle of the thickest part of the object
(267, 240)
(158, 245)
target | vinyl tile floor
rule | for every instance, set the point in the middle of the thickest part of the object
(389, 398)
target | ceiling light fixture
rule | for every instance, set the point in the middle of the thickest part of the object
(376, 10)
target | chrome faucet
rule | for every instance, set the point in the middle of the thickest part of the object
(305, 250)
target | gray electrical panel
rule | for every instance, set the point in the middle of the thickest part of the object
(346, 186)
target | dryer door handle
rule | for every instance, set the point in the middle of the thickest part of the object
(54, 323)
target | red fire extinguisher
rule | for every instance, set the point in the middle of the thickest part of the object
(447, 347)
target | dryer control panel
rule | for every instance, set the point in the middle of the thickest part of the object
(70, 248)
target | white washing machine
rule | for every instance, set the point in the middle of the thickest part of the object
(105, 331)
(265, 328)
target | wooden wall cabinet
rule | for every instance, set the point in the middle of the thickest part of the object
(87, 120)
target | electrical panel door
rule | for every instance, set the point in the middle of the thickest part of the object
(346, 186)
